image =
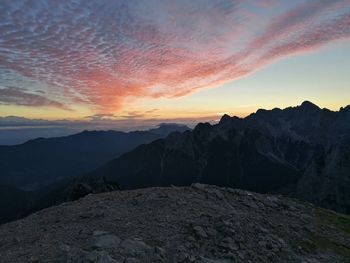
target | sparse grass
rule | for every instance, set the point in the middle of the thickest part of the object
(329, 218)
(323, 243)
(319, 242)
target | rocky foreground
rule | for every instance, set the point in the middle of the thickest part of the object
(180, 224)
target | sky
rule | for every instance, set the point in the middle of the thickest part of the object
(139, 62)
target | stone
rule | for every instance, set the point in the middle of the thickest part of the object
(199, 231)
(219, 194)
(159, 251)
(134, 247)
(34, 259)
(99, 233)
(132, 260)
(182, 256)
(104, 241)
(262, 243)
(106, 259)
(208, 260)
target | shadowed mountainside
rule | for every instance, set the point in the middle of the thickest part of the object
(300, 151)
(46, 167)
(40, 162)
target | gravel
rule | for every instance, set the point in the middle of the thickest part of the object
(200, 223)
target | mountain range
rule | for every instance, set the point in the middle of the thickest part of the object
(302, 152)
(43, 161)
(34, 171)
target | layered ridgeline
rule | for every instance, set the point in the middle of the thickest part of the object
(32, 174)
(199, 224)
(301, 151)
(43, 161)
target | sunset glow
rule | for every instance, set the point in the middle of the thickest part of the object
(161, 60)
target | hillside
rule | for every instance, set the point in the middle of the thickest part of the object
(14, 203)
(179, 224)
(44, 161)
(33, 174)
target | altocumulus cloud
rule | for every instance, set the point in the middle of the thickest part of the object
(17, 96)
(100, 52)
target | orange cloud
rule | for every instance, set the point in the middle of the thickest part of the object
(102, 54)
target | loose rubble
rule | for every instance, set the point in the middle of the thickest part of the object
(201, 223)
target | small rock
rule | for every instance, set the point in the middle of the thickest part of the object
(151, 196)
(199, 231)
(207, 260)
(219, 194)
(104, 241)
(263, 230)
(211, 231)
(99, 233)
(241, 255)
(134, 247)
(181, 202)
(132, 260)
(182, 257)
(191, 239)
(269, 245)
(16, 240)
(160, 251)
(104, 258)
(34, 259)
(198, 186)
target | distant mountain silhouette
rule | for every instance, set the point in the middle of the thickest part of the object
(40, 162)
(300, 151)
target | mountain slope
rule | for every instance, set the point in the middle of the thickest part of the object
(201, 223)
(14, 203)
(300, 151)
(39, 162)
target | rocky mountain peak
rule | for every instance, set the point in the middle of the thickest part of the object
(309, 106)
(225, 118)
(167, 128)
(202, 127)
(345, 109)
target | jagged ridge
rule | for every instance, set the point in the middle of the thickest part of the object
(300, 151)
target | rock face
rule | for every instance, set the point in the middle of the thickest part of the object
(302, 152)
(179, 224)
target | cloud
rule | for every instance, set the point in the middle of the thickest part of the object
(102, 53)
(101, 117)
(17, 96)
(130, 115)
(9, 123)
(133, 115)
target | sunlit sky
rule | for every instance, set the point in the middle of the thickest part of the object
(167, 59)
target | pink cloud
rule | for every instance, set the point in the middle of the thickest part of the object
(102, 54)
(16, 96)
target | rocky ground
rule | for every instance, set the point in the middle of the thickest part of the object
(180, 224)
